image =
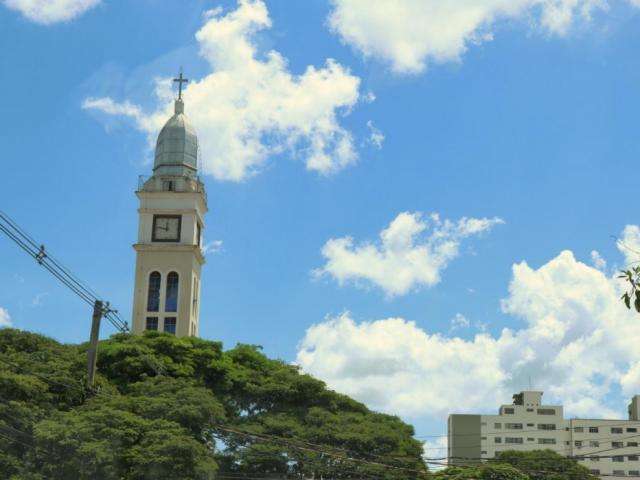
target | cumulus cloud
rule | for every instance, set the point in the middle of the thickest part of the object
(629, 245)
(251, 107)
(406, 257)
(410, 34)
(577, 342)
(47, 12)
(5, 318)
(597, 260)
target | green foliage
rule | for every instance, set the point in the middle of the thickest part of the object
(545, 465)
(183, 408)
(482, 472)
(517, 465)
(632, 277)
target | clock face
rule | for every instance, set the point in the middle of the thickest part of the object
(166, 228)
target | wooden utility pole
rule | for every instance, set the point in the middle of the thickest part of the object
(92, 352)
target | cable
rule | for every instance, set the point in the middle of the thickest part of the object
(37, 251)
(328, 453)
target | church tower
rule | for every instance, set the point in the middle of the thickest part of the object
(169, 258)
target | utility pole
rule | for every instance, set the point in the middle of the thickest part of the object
(92, 352)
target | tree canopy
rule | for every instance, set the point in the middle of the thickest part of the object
(183, 408)
(518, 465)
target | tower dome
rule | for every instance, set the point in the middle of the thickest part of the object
(177, 146)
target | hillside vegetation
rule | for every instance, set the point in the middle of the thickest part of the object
(170, 408)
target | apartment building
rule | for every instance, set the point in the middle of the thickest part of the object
(605, 447)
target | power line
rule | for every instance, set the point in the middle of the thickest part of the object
(63, 274)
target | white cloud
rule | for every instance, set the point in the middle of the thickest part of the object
(597, 260)
(37, 301)
(629, 245)
(459, 321)
(376, 137)
(47, 12)
(5, 318)
(578, 343)
(410, 34)
(251, 107)
(405, 259)
(214, 246)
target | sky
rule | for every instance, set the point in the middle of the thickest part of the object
(423, 203)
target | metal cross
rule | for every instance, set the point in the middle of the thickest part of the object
(180, 80)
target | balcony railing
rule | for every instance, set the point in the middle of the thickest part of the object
(147, 183)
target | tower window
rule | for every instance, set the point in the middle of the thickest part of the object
(168, 186)
(152, 323)
(171, 303)
(153, 296)
(170, 325)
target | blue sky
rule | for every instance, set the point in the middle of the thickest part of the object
(522, 118)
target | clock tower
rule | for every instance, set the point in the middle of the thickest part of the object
(171, 221)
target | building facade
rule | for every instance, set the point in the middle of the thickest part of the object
(606, 447)
(169, 257)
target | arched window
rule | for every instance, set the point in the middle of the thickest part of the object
(153, 296)
(171, 302)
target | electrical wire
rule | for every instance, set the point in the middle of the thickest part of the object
(64, 275)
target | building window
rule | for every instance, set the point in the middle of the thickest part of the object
(594, 443)
(632, 444)
(634, 473)
(171, 302)
(508, 411)
(168, 186)
(497, 439)
(530, 425)
(617, 458)
(578, 429)
(153, 295)
(513, 426)
(152, 323)
(513, 440)
(199, 234)
(616, 430)
(170, 325)
(595, 459)
(593, 429)
(546, 426)
(497, 425)
(546, 411)
(617, 444)
(594, 472)
(529, 409)
(483, 452)
(547, 441)
(578, 443)
(632, 430)
(618, 473)
(633, 458)
(196, 288)
(531, 439)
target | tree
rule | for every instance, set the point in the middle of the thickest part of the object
(183, 408)
(482, 472)
(545, 465)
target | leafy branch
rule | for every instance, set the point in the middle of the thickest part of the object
(633, 294)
